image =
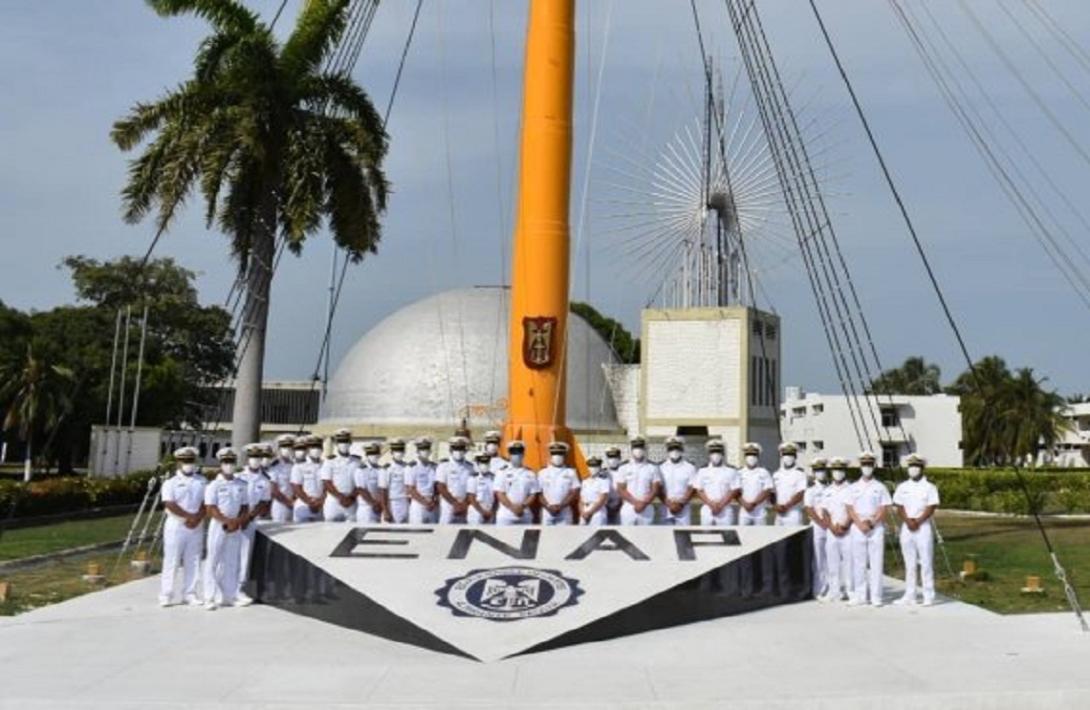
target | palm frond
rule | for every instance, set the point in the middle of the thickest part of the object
(224, 15)
(319, 26)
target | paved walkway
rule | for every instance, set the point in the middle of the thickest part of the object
(116, 648)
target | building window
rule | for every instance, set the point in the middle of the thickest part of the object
(800, 445)
(692, 430)
(770, 331)
(818, 445)
(757, 329)
(819, 408)
(890, 457)
(889, 417)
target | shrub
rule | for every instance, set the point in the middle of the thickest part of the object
(70, 493)
(999, 490)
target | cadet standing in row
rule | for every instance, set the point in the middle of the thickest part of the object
(482, 492)
(559, 485)
(789, 482)
(516, 489)
(834, 508)
(183, 499)
(420, 485)
(867, 507)
(640, 482)
(718, 486)
(368, 491)
(492, 440)
(757, 487)
(813, 502)
(393, 480)
(338, 476)
(917, 499)
(452, 483)
(677, 484)
(258, 502)
(226, 502)
(280, 477)
(594, 493)
(613, 468)
(306, 482)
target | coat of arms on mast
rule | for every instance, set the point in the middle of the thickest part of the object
(537, 341)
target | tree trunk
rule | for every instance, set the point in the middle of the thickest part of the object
(28, 458)
(250, 356)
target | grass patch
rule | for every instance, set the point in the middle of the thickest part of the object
(44, 539)
(1007, 550)
(58, 580)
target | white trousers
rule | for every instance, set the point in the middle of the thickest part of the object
(399, 510)
(334, 512)
(791, 517)
(727, 516)
(757, 517)
(221, 564)
(245, 551)
(868, 551)
(181, 547)
(506, 517)
(918, 548)
(820, 567)
(366, 514)
(280, 513)
(838, 564)
(682, 517)
(419, 515)
(561, 518)
(447, 516)
(599, 517)
(629, 516)
(303, 514)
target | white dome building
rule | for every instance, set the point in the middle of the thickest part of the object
(442, 359)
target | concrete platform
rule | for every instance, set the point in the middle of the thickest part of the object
(117, 648)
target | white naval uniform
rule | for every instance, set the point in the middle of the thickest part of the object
(613, 505)
(482, 486)
(366, 477)
(918, 546)
(519, 484)
(838, 550)
(455, 475)
(307, 474)
(393, 478)
(813, 499)
(258, 491)
(677, 479)
(341, 472)
(639, 477)
(182, 545)
(496, 464)
(421, 475)
(590, 490)
(222, 562)
(755, 481)
(280, 476)
(868, 548)
(788, 483)
(716, 482)
(556, 483)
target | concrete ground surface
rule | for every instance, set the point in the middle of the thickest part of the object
(118, 649)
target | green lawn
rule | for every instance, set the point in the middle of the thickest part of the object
(25, 542)
(59, 580)
(1007, 550)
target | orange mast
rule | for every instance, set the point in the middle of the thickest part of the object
(539, 275)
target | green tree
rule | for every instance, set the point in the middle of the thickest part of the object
(38, 394)
(620, 340)
(1034, 416)
(915, 377)
(286, 145)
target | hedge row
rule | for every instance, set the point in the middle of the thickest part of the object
(988, 490)
(50, 496)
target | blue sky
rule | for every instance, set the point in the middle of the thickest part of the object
(72, 68)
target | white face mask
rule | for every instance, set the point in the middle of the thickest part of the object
(788, 461)
(398, 455)
(838, 474)
(596, 471)
(228, 469)
(300, 455)
(343, 448)
(423, 454)
(253, 462)
(491, 449)
(557, 460)
(914, 471)
(613, 462)
(285, 453)
(372, 459)
(314, 453)
(638, 453)
(482, 467)
(674, 454)
(266, 461)
(189, 468)
(867, 471)
(751, 461)
(716, 458)
(458, 455)
(516, 460)
(819, 475)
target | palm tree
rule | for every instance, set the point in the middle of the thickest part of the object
(275, 144)
(915, 377)
(35, 395)
(1034, 416)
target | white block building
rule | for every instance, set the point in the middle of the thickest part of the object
(821, 426)
(1073, 448)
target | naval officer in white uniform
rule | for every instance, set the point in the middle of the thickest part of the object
(392, 480)
(420, 485)
(613, 467)
(678, 475)
(757, 487)
(812, 503)
(517, 489)
(789, 482)
(482, 492)
(869, 501)
(838, 550)
(259, 500)
(718, 486)
(226, 502)
(559, 486)
(594, 493)
(368, 491)
(452, 483)
(917, 499)
(306, 482)
(492, 441)
(280, 476)
(183, 532)
(639, 484)
(338, 475)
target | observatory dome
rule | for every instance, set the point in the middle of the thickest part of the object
(444, 358)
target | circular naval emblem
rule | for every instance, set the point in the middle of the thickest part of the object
(509, 593)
